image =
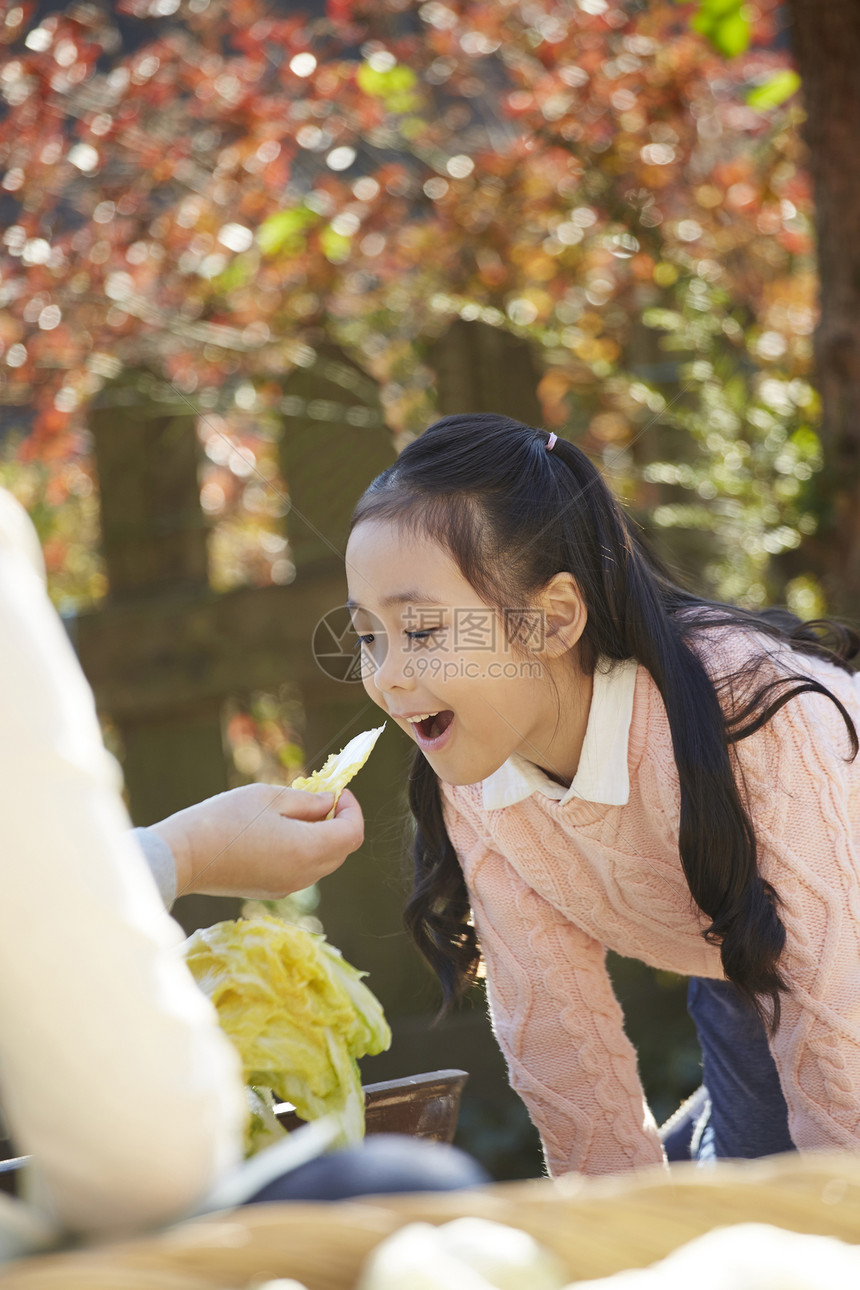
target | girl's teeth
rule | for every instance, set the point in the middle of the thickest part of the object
(415, 720)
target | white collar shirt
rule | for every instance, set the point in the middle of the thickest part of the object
(601, 775)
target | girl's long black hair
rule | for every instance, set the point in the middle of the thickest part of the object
(512, 515)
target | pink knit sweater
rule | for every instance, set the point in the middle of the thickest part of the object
(554, 885)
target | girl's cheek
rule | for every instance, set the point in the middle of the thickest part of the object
(370, 689)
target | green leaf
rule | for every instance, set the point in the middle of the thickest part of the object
(395, 86)
(703, 23)
(807, 442)
(285, 230)
(720, 9)
(335, 246)
(722, 22)
(412, 127)
(237, 273)
(774, 91)
(662, 319)
(732, 35)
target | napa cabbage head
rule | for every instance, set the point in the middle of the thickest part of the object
(297, 1012)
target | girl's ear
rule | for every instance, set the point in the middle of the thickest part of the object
(564, 613)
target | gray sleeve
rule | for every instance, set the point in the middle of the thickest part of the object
(162, 866)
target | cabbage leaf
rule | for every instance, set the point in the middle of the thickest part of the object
(298, 1014)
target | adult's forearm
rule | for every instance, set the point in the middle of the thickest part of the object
(162, 865)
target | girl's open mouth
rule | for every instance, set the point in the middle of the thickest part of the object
(434, 732)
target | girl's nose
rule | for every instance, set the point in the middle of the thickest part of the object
(393, 670)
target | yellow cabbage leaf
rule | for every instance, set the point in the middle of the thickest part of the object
(340, 767)
(297, 1012)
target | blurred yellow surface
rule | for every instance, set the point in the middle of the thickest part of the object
(596, 1226)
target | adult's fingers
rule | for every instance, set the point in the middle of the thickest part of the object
(300, 804)
(347, 827)
(347, 802)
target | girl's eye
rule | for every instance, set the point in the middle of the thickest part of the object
(423, 635)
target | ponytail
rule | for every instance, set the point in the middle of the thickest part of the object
(716, 839)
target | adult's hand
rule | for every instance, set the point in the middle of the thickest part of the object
(260, 841)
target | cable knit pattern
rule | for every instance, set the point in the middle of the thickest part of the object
(553, 886)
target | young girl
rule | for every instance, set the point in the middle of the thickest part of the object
(605, 760)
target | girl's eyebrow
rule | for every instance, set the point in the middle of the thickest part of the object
(401, 598)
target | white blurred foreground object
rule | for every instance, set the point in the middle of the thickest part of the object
(477, 1254)
(751, 1256)
(282, 1284)
(506, 1256)
(116, 1077)
(340, 767)
(466, 1254)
